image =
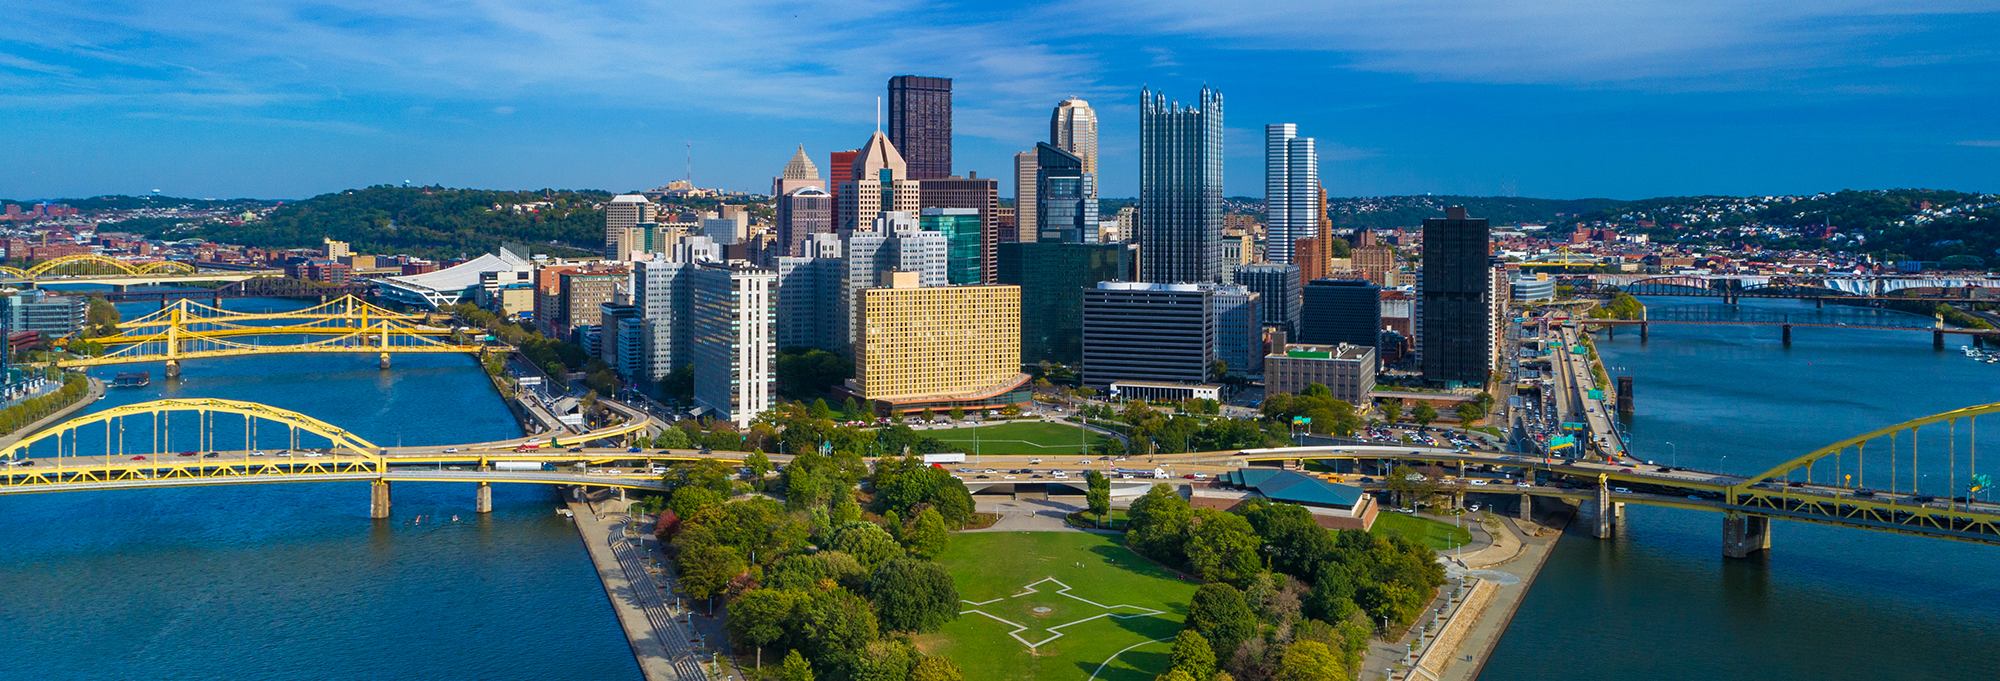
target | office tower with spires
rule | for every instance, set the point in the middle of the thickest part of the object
(1180, 188)
(881, 183)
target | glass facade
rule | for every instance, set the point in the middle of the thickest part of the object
(920, 124)
(1454, 333)
(1065, 197)
(964, 242)
(1052, 277)
(1180, 189)
(1342, 311)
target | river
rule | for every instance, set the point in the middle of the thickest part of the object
(293, 581)
(1660, 602)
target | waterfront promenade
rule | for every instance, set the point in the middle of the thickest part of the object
(663, 646)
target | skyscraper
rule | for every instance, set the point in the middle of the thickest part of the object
(1073, 128)
(798, 174)
(1052, 278)
(1454, 297)
(802, 213)
(734, 339)
(1279, 286)
(1025, 172)
(624, 212)
(1180, 188)
(920, 124)
(881, 183)
(1065, 198)
(939, 347)
(982, 194)
(839, 169)
(1291, 190)
(1341, 311)
(963, 242)
(810, 285)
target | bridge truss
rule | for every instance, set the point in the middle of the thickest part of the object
(83, 265)
(189, 330)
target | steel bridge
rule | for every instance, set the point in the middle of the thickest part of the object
(185, 330)
(1845, 484)
(261, 286)
(1730, 315)
(1807, 286)
(142, 448)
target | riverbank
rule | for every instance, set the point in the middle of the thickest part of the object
(1506, 556)
(646, 629)
(89, 398)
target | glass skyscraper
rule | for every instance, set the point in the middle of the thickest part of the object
(1291, 190)
(964, 242)
(920, 124)
(1180, 189)
(1065, 197)
(1052, 277)
(1454, 298)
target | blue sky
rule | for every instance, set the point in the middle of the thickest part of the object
(1547, 98)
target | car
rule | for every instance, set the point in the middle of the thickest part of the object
(138, 458)
(1666, 469)
(1405, 511)
(1473, 508)
(1007, 477)
(1060, 475)
(314, 455)
(1084, 462)
(981, 477)
(1621, 490)
(989, 470)
(1034, 461)
(284, 453)
(211, 455)
(1189, 476)
(1864, 493)
(1367, 481)
(454, 468)
(451, 450)
(1524, 484)
(1477, 482)
(188, 453)
(257, 453)
(634, 450)
(1923, 498)
(576, 449)
(964, 470)
(659, 469)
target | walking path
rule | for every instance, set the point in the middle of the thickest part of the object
(89, 398)
(663, 647)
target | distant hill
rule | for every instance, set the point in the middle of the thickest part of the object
(423, 221)
(1893, 224)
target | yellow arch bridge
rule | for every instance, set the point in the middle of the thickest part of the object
(183, 442)
(187, 330)
(1917, 478)
(85, 266)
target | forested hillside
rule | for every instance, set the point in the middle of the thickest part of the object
(424, 221)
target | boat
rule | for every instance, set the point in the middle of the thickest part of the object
(132, 379)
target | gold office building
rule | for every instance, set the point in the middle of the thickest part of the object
(939, 347)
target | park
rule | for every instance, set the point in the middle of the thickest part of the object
(1024, 438)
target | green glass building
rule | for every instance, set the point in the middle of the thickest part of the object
(1052, 277)
(962, 241)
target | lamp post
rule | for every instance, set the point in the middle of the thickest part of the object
(1677, 454)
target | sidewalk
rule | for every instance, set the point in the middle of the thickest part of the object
(89, 398)
(642, 612)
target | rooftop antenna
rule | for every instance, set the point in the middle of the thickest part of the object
(878, 114)
(689, 178)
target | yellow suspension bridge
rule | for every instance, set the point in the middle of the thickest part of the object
(186, 330)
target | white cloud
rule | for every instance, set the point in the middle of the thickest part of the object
(1980, 143)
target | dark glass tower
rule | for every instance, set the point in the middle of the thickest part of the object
(1342, 311)
(1052, 277)
(1065, 198)
(920, 124)
(1180, 189)
(1454, 295)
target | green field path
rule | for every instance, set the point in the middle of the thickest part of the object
(1023, 438)
(1114, 600)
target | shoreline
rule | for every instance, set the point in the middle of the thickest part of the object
(90, 396)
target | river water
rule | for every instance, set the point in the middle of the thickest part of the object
(1660, 602)
(293, 581)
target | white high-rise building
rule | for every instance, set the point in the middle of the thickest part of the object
(809, 288)
(734, 306)
(1291, 190)
(625, 212)
(893, 241)
(1073, 128)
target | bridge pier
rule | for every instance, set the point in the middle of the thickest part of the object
(1788, 335)
(1937, 339)
(1527, 510)
(383, 362)
(1625, 395)
(1644, 329)
(1601, 524)
(378, 499)
(173, 369)
(1743, 535)
(1819, 303)
(482, 501)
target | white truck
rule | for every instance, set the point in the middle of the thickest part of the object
(954, 457)
(522, 466)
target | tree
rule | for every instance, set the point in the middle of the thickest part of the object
(912, 595)
(1158, 525)
(672, 438)
(1470, 412)
(758, 462)
(1221, 547)
(1174, 675)
(796, 668)
(1192, 655)
(1392, 410)
(929, 415)
(867, 542)
(819, 410)
(936, 668)
(691, 499)
(1309, 661)
(957, 413)
(707, 568)
(926, 538)
(1098, 495)
(1218, 369)
(758, 617)
(1219, 614)
(851, 408)
(1423, 414)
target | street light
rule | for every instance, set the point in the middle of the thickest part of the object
(1677, 454)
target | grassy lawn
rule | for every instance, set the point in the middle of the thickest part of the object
(999, 567)
(1440, 536)
(1031, 439)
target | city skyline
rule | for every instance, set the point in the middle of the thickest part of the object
(289, 101)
